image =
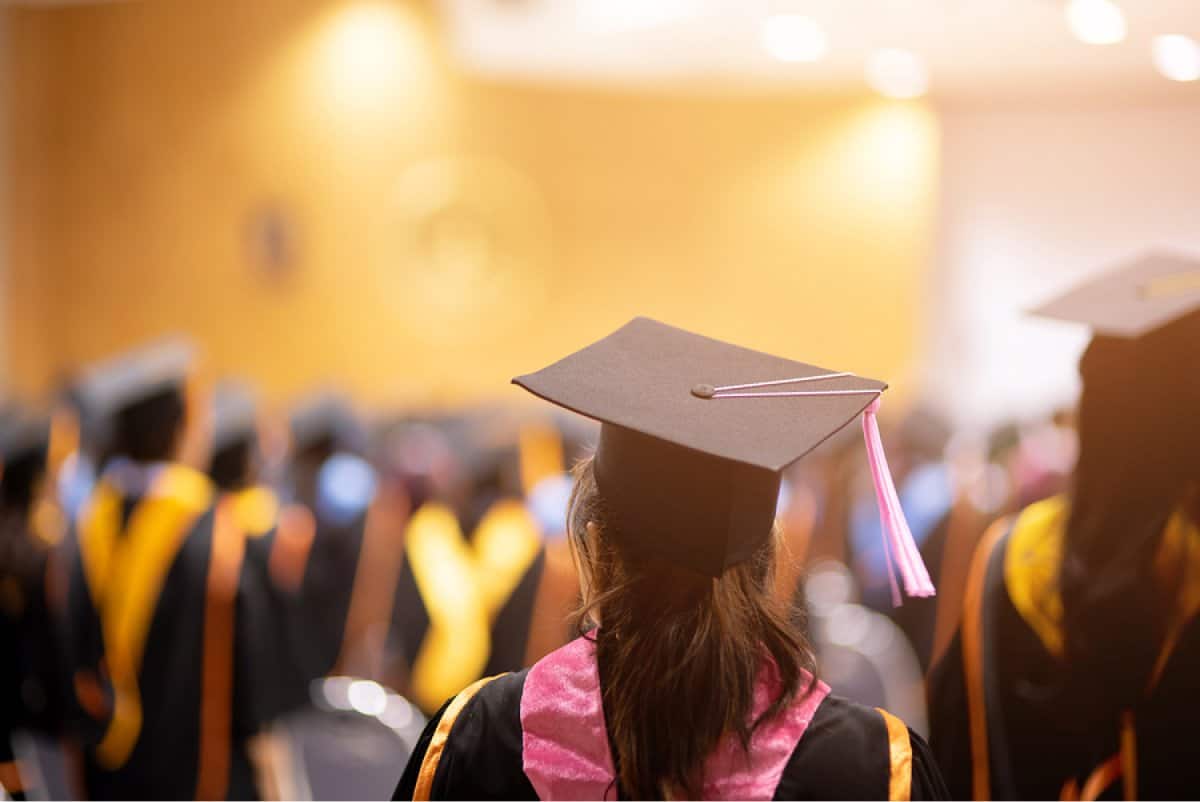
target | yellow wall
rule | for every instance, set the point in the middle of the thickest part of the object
(144, 134)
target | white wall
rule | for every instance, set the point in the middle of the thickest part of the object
(1033, 197)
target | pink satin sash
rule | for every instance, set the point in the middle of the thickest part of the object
(565, 745)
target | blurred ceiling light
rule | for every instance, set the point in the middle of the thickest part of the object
(793, 37)
(616, 16)
(1177, 57)
(368, 45)
(897, 73)
(1096, 22)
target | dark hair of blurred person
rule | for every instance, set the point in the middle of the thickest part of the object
(149, 430)
(24, 440)
(232, 467)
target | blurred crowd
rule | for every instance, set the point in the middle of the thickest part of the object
(336, 574)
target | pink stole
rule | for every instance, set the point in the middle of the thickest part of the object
(565, 745)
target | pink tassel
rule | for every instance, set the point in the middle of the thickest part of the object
(897, 538)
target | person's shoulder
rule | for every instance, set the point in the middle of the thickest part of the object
(1028, 561)
(481, 744)
(486, 718)
(497, 698)
(850, 751)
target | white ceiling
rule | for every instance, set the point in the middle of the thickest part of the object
(974, 48)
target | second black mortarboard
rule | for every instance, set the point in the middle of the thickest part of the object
(1134, 299)
(695, 433)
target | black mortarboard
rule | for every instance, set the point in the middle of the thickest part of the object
(24, 442)
(1134, 299)
(135, 376)
(1145, 317)
(695, 434)
(235, 414)
(234, 435)
(137, 390)
(324, 422)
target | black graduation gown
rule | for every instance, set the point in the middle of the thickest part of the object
(271, 612)
(327, 589)
(340, 501)
(1030, 740)
(176, 724)
(11, 642)
(844, 753)
(31, 681)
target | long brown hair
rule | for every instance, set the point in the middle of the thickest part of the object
(679, 653)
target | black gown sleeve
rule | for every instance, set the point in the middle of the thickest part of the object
(927, 782)
(408, 780)
(482, 757)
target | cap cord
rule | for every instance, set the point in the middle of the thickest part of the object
(897, 537)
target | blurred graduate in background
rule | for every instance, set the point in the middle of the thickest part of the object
(160, 649)
(1073, 673)
(30, 530)
(486, 583)
(278, 538)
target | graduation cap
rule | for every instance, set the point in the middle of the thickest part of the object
(134, 390)
(235, 412)
(24, 443)
(1145, 317)
(234, 435)
(324, 422)
(1134, 299)
(695, 434)
(158, 368)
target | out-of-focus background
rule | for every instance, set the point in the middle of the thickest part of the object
(418, 200)
(408, 202)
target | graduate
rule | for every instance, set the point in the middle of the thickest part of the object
(690, 681)
(29, 678)
(278, 538)
(158, 654)
(355, 546)
(1073, 674)
(473, 570)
